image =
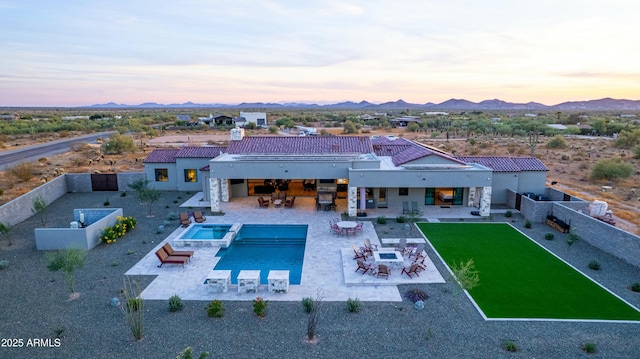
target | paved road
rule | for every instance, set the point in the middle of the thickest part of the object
(29, 153)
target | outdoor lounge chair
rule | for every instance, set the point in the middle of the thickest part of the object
(405, 207)
(420, 263)
(165, 258)
(383, 270)
(262, 203)
(401, 246)
(363, 267)
(414, 208)
(199, 217)
(370, 247)
(167, 248)
(289, 202)
(359, 254)
(185, 221)
(414, 269)
(417, 251)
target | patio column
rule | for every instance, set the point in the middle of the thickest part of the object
(485, 202)
(471, 200)
(224, 189)
(214, 194)
(363, 199)
(352, 201)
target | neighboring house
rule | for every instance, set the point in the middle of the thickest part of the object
(187, 119)
(180, 169)
(215, 120)
(259, 118)
(373, 172)
(404, 121)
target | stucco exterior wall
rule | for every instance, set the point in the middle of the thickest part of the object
(19, 209)
(170, 185)
(83, 238)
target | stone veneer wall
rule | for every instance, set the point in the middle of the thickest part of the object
(608, 238)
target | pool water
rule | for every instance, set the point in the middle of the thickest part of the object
(206, 231)
(265, 247)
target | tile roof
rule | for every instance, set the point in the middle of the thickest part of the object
(506, 164)
(301, 145)
(200, 151)
(402, 150)
(162, 155)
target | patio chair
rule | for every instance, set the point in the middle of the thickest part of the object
(165, 258)
(363, 267)
(383, 270)
(199, 217)
(289, 203)
(413, 269)
(358, 253)
(170, 251)
(405, 207)
(417, 251)
(414, 208)
(185, 221)
(262, 203)
(420, 263)
(337, 230)
(359, 227)
(370, 247)
(351, 231)
(401, 246)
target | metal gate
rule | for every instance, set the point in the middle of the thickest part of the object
(518, 201)
(104, 182)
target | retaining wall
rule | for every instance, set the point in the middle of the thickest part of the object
(21, 208)
(83, 238)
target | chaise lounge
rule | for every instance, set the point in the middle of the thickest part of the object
(171, 252)
(199, 217)
(165, 258)
(185, 221)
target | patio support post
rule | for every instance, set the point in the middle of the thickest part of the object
(224, 189)
(485, 202)
(352, 201)
(214, 194)
(363, 199)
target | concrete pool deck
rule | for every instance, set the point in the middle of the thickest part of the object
(328, 266)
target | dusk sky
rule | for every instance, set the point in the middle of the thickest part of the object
(76, 53)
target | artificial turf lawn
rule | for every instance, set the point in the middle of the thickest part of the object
(520, 279)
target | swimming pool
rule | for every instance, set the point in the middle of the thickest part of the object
(266, 247)
(207, 234)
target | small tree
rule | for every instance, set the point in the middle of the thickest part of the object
(40, 207)
(465, 275)
(149, 196)
(5, 229)
(557, 142)
(119, 144)
(67, 260)
(611, 169)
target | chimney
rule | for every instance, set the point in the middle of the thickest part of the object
(237, 134)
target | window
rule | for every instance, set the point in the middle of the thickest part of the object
(403, 191)
(190, 175)
(162, 175)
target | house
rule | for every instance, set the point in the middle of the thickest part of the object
(181, 169)
(186, 119)
(370, 172)
(259, 118)
(404, 121)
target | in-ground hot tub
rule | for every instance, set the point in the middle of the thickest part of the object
(207, 234)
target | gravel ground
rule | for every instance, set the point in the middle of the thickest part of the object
(35, 305)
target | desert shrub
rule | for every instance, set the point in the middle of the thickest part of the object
(636, 151)
(508, 214)
(589, 348)
(187, 353)
(594, 264)
(175, 303)
(528, 224)
(215, 309)
(260, 306)
(572, 238)
(134, 304)
(548, 236)
(635, 287)
(353, 305)
(401, 219)
(557, 142)
(510, 346)
(307, 304)
(381, 220)
(119, 144)
(23, 171)
(4, 264)
(611, 169)
(415, 295)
